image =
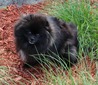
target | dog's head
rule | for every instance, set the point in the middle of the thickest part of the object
(35, 30)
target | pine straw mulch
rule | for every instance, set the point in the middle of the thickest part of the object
(9, 57)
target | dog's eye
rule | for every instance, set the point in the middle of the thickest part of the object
(29, 33)
(47, 28)
(37, 34)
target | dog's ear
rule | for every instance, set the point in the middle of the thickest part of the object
(55, 19)
(66, 27)
(60, 22)
(70, 28)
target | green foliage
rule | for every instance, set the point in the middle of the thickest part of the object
(81, 13)
(84, 16)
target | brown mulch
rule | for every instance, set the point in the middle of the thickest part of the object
(8, 55)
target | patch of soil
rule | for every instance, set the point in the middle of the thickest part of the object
(8, 55)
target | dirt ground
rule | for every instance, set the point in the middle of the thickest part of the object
(8, 55)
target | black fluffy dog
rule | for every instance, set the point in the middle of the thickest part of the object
(41, 34)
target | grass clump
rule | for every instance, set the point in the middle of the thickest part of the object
(81, 13)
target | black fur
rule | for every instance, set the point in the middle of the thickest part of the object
(40, 34)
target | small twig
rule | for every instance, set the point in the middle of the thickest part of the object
(85, 63)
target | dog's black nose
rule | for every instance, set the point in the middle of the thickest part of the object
(33, 39)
